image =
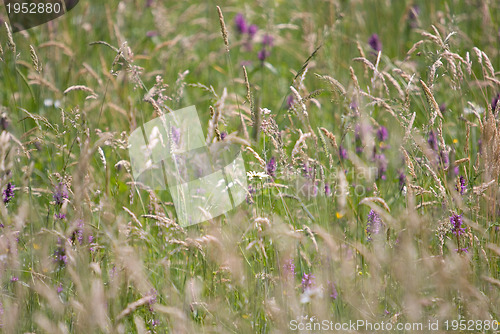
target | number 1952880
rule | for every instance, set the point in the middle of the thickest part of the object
(33, 8)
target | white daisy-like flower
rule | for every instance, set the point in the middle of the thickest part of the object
(252, 174)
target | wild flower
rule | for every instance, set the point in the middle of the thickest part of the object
(382, 133)
(59, 255)
(14, 279)
(456, 225)
(328, 190)
(494, 102)
(259, 175)
(442, 107)
(60, 216)
(307, 281)
(60, 193)
(402, 179)
(444, 157)
(263, 54)
(333, 290)
(374, 224)
(289, 101)
(375, 43)
(251, 192)
(60, 288)
(289, 268)
(461, 186)
(8, 193)
(241, 23)
(432, 141)
(267, 41)
(342, 152)
(252, 30)
(413, 16)
(176, 135)
(271, 167)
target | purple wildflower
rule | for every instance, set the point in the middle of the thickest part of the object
(263, 54)
(252, 30)
(268, 40)
(374, 224)
(60, 215)
(251, 191)
(308, 171)
(328, 190)
(456, 224)
(14, 279)
(494, 102)
(153, 294)
(223, 135)
(382, 133)
(402, 179)
(289, 101)
(155, 322)
(462, 250)
(60, 288)
(413, 16)
(442, 107)
(353, 105)
(333, 290)
(241, 24)
(307, 281)
(8, 193)
(151, 33)
(60, 193)
(462, 186)
(342, 152)
(375, 42)
(289, 268)
(432, 140)
(60, 253)
(176, 135)
(271, 167)
(444, 157)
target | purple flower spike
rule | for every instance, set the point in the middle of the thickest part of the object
(241, 24)
(342, 152)
(289, 101)
(463, 186)
(60, 193)
(307, 281)
(432, 140)
(289, 268)
(382, 133)
(374, 224)
(402, 179)
(456, 223)
(333, 290)
(263, 54)
(328, 190)
(271, 167)
(252, 30)
(268, 40)
(8, 193)
(375, 43)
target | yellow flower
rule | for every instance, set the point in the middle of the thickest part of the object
(339, 215)
(455, 140)
(36, 246)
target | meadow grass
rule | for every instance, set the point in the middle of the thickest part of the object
(373, 160)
